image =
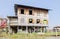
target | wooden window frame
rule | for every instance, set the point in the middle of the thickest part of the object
(37, 21)
(31, 19)
(30, 12)
(22, 11)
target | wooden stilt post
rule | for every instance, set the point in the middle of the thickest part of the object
(26, 29)
(17, 28)
(41, 29)
(8, 26)
(34, 29)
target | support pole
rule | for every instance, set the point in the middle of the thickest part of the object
(34, 29)
(26, 29)
(44, 29)
(41, 29)
(17, 29)
(8, 26)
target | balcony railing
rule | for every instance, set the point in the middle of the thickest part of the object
(32, 16)
(14, 23)
(33, 24)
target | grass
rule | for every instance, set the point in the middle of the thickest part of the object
(52, 33)
(23, 36)
(28, 36)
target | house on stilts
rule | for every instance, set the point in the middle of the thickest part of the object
(28, 19)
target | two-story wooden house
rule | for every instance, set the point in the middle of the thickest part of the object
(28, 19)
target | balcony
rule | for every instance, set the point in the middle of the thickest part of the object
(31, 16)
(13, 23)
(33, 25)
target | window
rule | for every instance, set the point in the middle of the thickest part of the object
(30, 20)
(22, 11)
(30, 12)
(45, 22)
(38, 21)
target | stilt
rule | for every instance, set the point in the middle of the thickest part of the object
(44, 29)
(9, 31)
(41, 29)
(17, 29)
(34, 29)
(8, 26)
(26, 29)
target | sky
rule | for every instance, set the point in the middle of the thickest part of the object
(7, 8)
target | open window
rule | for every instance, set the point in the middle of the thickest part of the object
(45, 21)
(38, 21)
(30, 12)
(22, 11)
(30, 20)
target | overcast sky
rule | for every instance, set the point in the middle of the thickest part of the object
(7, 8)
